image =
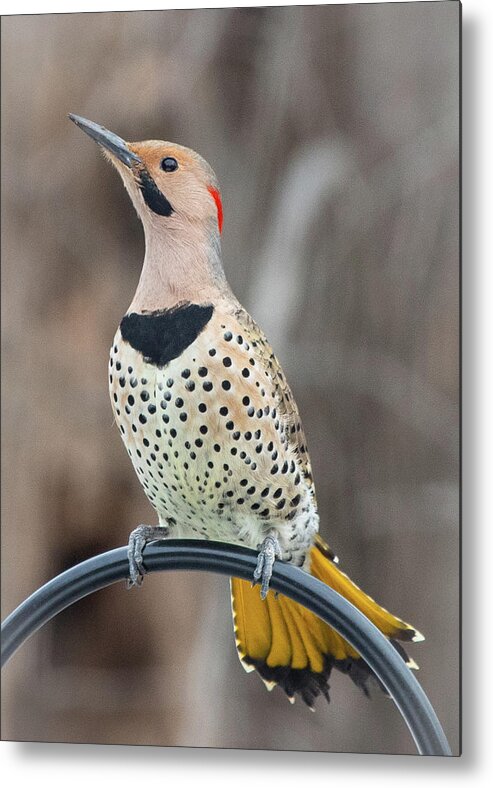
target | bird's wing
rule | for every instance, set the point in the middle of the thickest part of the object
(286, 404)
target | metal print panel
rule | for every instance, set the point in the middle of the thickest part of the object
(264, 263)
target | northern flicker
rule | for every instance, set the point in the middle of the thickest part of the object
(211, 426)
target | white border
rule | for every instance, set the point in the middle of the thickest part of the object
(58, 6)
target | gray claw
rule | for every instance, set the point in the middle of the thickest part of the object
(138, 539)
(269, 550)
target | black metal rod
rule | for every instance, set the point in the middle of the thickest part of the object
(226, 559)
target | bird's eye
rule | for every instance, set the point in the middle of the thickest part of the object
(169, 164)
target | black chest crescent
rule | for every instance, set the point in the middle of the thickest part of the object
(163, 335)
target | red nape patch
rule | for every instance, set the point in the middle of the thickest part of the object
(217, 199)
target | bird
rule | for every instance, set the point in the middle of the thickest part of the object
(212, 428)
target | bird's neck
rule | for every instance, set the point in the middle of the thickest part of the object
(182, 264)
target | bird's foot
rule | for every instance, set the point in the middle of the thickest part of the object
(138, 539)
(269, 550)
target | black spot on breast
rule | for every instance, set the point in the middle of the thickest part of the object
(163, 335)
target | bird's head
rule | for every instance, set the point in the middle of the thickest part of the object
(171, 187)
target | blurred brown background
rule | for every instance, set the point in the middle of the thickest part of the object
(334, 133)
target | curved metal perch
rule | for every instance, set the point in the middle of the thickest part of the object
(185, 554)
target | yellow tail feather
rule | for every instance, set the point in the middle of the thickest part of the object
(288, 645)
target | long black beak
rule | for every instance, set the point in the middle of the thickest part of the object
(108, 140)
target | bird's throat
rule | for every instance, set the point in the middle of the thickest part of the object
(179, 266)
